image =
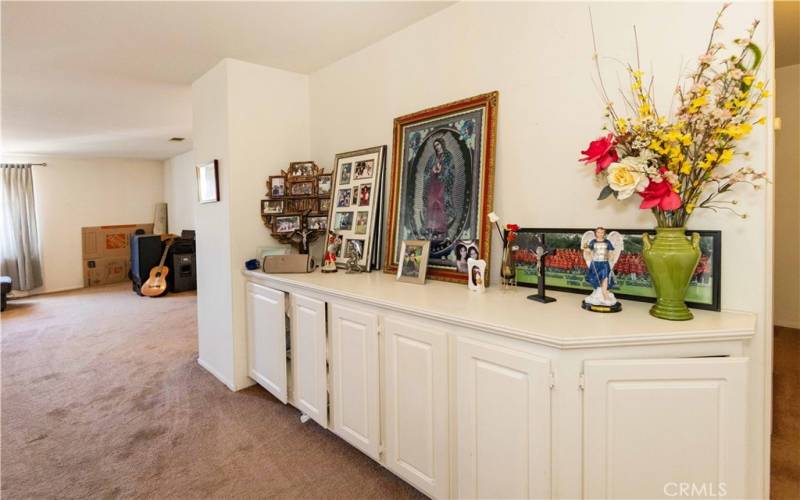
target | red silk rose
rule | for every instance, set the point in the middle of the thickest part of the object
(602, 152)
(512, 227)
(660, 194)
(511, 237)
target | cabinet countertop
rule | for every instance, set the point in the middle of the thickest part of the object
(508, 312)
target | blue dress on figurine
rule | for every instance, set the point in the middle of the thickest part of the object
(599, 268)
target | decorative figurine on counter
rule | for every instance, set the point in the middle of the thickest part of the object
(354, 253)
(541, 252)
(601, 253)
(331, 249)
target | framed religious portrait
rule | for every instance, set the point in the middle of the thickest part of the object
(208, 182)
(356, 205)
(414, 261)
(442, 183)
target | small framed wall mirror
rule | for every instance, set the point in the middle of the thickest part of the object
(208, 182)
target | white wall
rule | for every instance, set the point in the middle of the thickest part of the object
(787, 197)
(180, 192)
(73, 193)
(539, 56)
(254, 120)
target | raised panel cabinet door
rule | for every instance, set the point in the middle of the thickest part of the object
(309, 357)
(503, 422)
(355, 397)
(664, 428)
(266, 338)
(416, 399)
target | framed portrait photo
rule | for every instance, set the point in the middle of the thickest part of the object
(287, 223)
(207, 182)
(276, 186)
(324, 204)
(442, 183)
(272, 207)
(414, 262)
(318, 222)
(356, 205)
(302, 169)
(302, 188)
(324, 183)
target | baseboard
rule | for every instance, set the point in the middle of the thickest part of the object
(230, 385)
(787, 323)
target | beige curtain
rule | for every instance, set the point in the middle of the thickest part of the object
(19, 239)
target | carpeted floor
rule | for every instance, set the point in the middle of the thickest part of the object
(102, 397)
(785, 484)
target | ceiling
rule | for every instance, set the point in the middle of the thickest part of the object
(787, 32)
(112, 79)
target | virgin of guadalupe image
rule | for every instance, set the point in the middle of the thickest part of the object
(437, 195)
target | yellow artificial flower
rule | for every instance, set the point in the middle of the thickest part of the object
(697, 103)
(762, 120)
(686, 168)
(748, 79)
(690, 208)
(711, 157)
(738, 131)
(726, 156)
(644, 109)
(638, 74)
(622, 125)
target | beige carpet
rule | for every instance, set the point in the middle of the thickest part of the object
(102, 397)
(786, 415)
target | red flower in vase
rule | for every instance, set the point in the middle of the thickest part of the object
(661, 195)
(601, 152)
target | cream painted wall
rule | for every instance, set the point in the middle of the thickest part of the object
(787, 197)
(255, 120)
(180, 191)
(539, 56)
(73, 193)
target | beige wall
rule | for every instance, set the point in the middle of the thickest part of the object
(539, 56)
(254, 120)
(73, 193)
(787, 198)
(180, 192)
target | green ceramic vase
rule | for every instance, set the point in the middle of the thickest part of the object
(671, 260)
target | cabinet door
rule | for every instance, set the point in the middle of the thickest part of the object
(654, 428)
(416, 399)
(309, 358)
(503, 422)
(266, 336)
(355, 400)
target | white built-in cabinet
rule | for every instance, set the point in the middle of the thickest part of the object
(266, 335)
(462, 413)
(355, 378)
(503, 421)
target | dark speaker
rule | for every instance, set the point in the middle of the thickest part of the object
(182, 276)
(145, 255)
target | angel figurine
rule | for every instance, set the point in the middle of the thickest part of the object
(601, 253)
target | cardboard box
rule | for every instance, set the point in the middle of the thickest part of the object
(107, 252)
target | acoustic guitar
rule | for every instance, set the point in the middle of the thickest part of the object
(156, 283)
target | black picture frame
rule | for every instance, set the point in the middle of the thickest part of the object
(709, 240)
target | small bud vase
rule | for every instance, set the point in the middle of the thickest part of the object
(671, 260)
(508, 271)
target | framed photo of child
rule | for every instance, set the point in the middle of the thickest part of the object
(414, 261)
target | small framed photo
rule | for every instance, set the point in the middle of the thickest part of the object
(361, 222)
(354, 197)
(363, 195)
(208, 182)
(304, 188)
(272, 207)
(277, 186)
(301, 169)
(324, 183)
(344, 175)
(343, 221)
(287, 223)
(364, 169)
(344, 198)
(357, 245)
(319, 222)
(414, 261)
(324, 204)
(476, 275)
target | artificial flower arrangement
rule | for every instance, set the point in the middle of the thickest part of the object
(679, 164)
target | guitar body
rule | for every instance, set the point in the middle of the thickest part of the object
(156, 284)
